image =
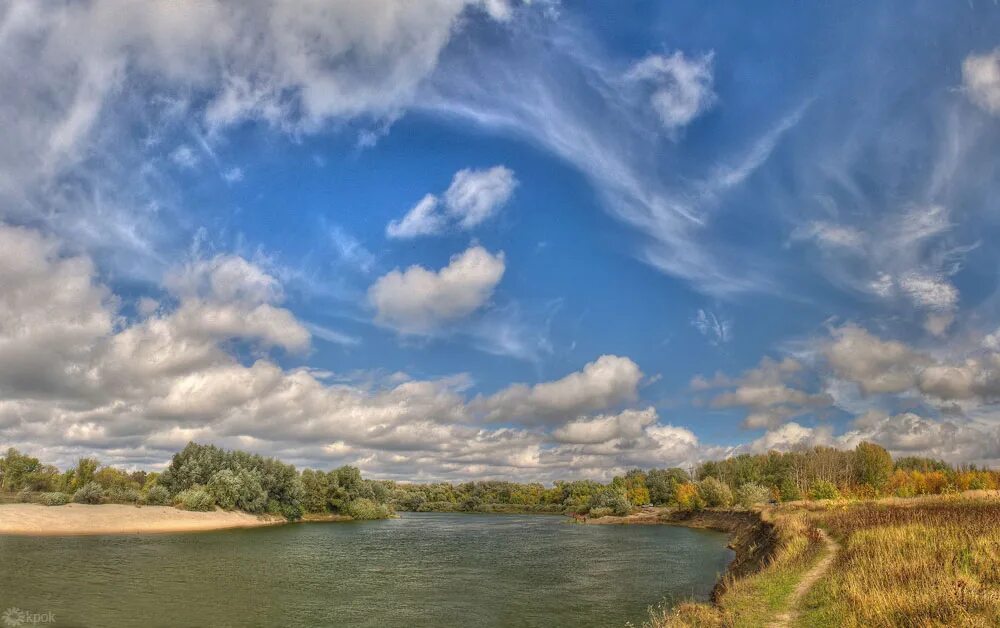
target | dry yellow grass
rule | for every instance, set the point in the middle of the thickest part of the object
(924, 562)
(921, 562)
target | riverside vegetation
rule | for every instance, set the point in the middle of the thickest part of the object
(916, 541)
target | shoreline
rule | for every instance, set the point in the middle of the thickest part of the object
(111, 519)
(751, 536)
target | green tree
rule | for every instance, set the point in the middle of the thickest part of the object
(663, 483)
(15, 469)
(872, 465)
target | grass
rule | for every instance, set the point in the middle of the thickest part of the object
(921, 562)
(754, 599)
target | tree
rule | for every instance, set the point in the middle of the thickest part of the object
(751, 494)
(715, 493)
(872, 465)
(15, 468)
(663, 483)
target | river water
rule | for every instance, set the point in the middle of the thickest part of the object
(419, 570)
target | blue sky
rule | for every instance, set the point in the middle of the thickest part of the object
(499, 239)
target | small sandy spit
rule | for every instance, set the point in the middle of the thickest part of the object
(81, 519)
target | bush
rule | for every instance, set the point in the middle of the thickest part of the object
(195, 498)
(613, 499)
(716, 493)
(54, 499)
(123, 495)
(687, 497)
(89, 493)
(24, 496)
(751, 494)
(600, 512)
(824, 490)
(157, 496)
(364, 509)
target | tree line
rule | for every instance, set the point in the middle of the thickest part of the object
(203, 477)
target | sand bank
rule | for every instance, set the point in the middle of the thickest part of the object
(76, 519)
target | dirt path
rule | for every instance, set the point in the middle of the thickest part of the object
(790, 614)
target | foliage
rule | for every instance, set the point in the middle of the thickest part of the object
(260, 483)
(368, 509)
(195, 498)
(89, 493)
(872, 465)
(54, 499)
(688, 497)
(123, 495)
(824, 490)
(663, 483)
(157, 495)
(752, 494)
(715, 493)
(613, 498)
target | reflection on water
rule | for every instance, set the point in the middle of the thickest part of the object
(419, 570)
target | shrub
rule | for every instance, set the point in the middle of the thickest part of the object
(366, 509)
(157, 496)
(89, 493)
(687, 497)
(54, 499)
(613, 499)
(123, 495)
(751, 494)
(824, 490)
(715, 493)
(24, 496)
(195, 498)
(600, 512)
(789, 490)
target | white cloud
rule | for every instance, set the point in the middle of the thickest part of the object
(184, 157)
(682, 87)
(476, 195)
(603, 383)
(717, 330)
(473, 197)
(981, 79)
(79, 380)
(422, 220)
(875, 365)
(769, 392)
(628, 424)
(418, 300)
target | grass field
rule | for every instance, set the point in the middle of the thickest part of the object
(931, 561)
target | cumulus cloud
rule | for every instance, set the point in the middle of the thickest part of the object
(629, 424)
(682, 86)
(603, 383)
(875, 365)
(418, 300)
(78, 378)
(472, 198)
(981, 80)
(769, 393)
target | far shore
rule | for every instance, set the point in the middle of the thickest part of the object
(83, 519)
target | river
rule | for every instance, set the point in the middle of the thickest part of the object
(422, 569)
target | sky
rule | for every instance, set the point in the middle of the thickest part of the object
(464, 239)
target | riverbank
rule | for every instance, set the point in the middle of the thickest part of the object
(916, 561)
(84, 519)
(752, 536)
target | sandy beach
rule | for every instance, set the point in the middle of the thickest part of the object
(81, 519)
